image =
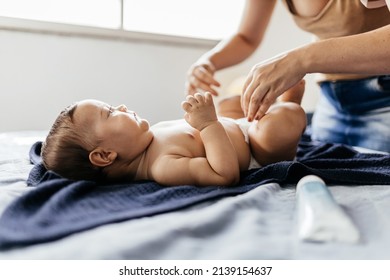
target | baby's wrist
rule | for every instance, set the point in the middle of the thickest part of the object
(209, 125)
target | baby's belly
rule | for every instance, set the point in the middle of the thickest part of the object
(171, 133)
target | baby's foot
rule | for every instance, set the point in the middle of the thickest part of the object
(294, 94)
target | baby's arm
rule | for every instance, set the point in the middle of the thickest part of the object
(221, 156)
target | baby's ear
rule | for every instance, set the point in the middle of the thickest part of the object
(101, 157)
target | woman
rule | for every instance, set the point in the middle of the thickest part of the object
(351, 53)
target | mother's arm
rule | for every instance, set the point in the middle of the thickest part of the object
(232, 50)
(366, 53)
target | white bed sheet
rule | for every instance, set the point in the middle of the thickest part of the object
(259, 224)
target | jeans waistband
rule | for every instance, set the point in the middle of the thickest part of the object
(358, 96)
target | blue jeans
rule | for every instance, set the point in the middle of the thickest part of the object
(354, 112)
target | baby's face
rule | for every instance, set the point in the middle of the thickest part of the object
(115, 128)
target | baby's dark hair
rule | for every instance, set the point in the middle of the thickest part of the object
(66, 149)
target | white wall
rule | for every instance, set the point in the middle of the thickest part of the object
(40, 74)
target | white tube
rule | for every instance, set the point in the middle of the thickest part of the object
(320, 218)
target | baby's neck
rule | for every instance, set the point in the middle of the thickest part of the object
(130, 171)
(141, 166)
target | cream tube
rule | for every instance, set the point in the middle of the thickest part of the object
(320, 218)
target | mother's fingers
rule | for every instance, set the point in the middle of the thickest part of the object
(244, 96)
(257, 97)
(205, 76)
(253, 97)
(197, 84)
(201, 78)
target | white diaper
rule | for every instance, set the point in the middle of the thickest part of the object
(244, 125)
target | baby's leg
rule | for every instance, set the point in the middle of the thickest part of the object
(231, 108)
(294, 94)
(275, 137)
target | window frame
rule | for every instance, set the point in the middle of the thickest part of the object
(65, 29)
(17, 24)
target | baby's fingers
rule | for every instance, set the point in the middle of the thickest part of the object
(186, 106)
(208, 98)
(199, 98)
(192, 99)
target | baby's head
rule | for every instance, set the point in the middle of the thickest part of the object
(90, 138)
(67, 146)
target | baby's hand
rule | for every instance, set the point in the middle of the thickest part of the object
(200, 110)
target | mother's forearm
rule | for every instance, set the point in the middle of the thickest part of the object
(366, 53)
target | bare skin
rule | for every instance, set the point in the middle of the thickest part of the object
(362, 54)
(202, 149)
(275, 137)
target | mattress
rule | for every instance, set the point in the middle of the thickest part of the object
(257, 224)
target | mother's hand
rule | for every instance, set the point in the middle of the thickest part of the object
(200, 77)
(268, 80)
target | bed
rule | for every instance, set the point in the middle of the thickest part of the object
(254, 221)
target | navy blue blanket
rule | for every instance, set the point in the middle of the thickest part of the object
(57, 207)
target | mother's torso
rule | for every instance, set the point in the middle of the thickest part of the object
(336, 18)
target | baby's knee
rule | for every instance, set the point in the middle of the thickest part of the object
(290, 114)
(299, 115)
(275, 136)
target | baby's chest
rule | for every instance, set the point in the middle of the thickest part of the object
(184, 142)
(182, 139)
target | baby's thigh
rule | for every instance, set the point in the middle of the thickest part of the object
(275, 136)
(231, 108)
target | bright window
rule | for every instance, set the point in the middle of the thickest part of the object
(211, 19)
(100, 13)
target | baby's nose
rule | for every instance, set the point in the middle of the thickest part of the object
(122, 108)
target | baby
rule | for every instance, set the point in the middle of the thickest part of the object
(92, 140)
